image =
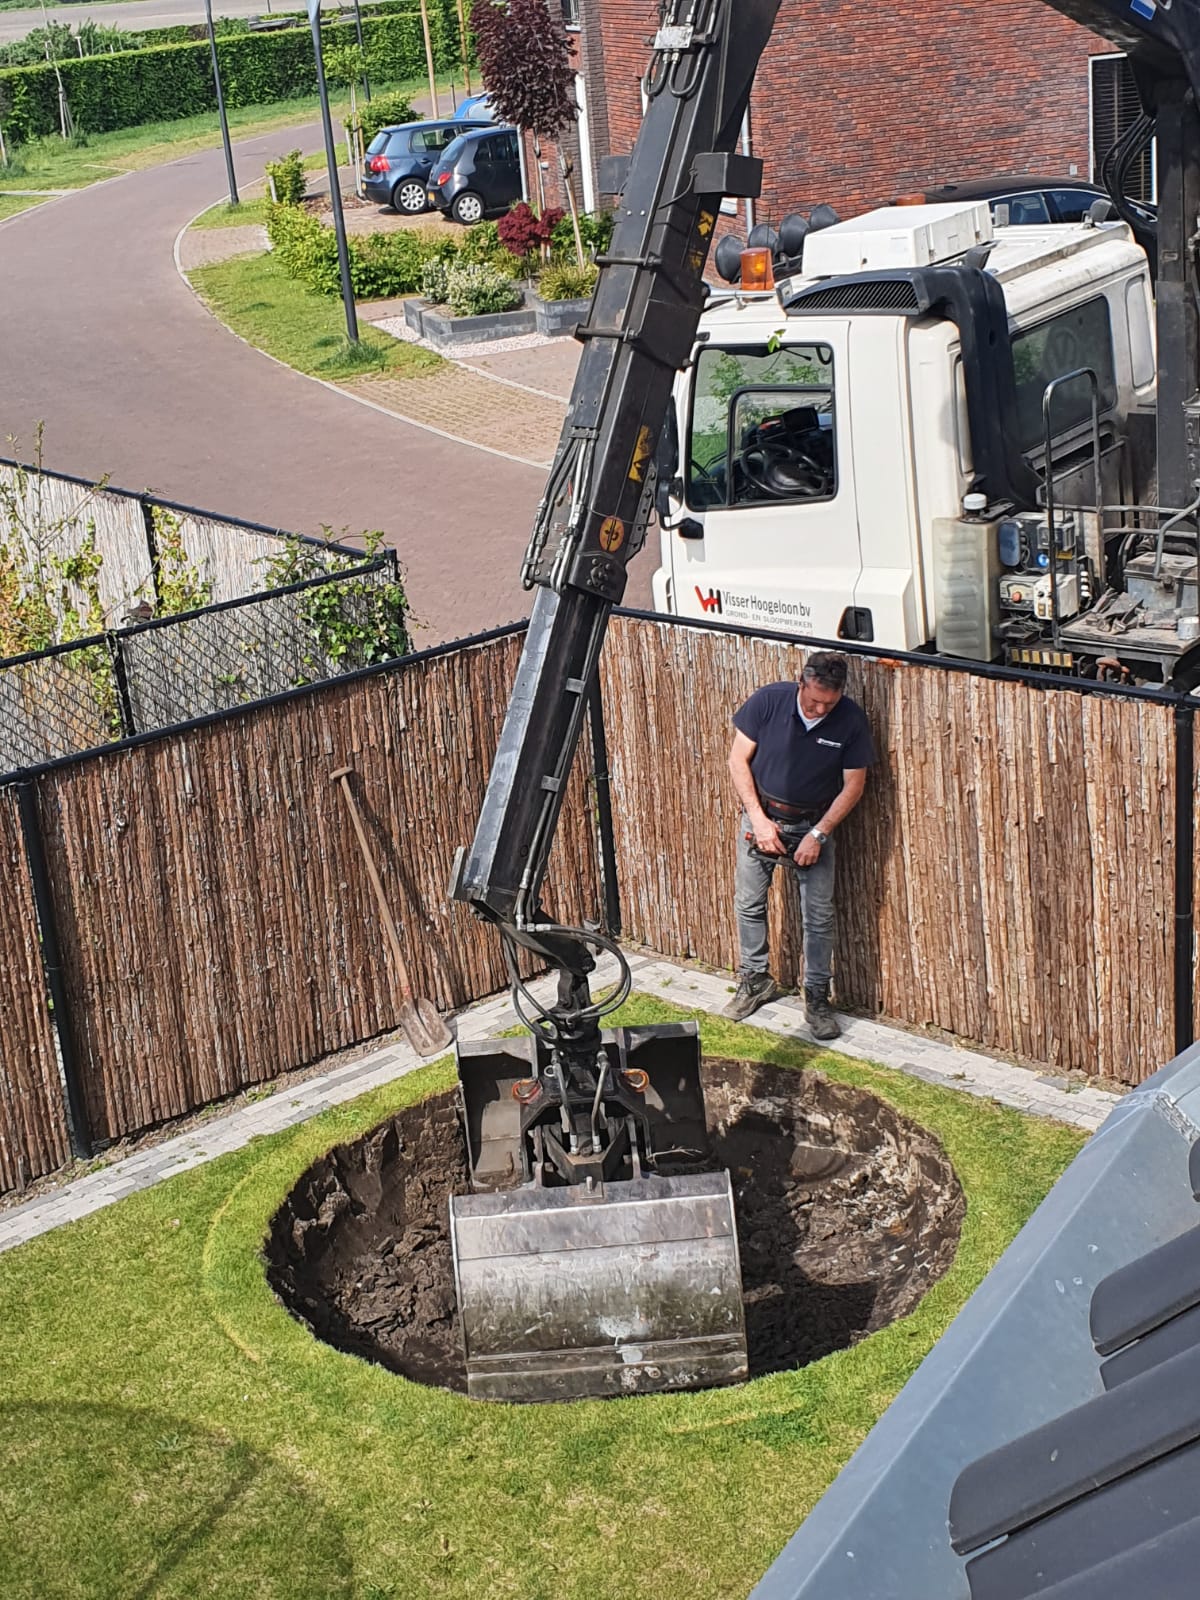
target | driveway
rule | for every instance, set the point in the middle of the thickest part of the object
(104, 343)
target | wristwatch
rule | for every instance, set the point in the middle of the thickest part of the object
(821, 838)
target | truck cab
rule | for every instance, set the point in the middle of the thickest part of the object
(823, 436)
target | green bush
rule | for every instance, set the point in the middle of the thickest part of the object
(481, 246)
(162, 82)
(475, 290)
(289, 178)
(595, 229)
(564, 280)
(381, 111)
(435, 282)
(381, 264)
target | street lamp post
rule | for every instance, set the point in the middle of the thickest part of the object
(212, 45)
(335, 192)
(362, 49)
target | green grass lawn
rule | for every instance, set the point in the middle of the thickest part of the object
(167, 1429)
(11, 204)
(50, 163)
(242, 215)
(255, 297)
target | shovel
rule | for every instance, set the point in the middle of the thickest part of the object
(423, 1027)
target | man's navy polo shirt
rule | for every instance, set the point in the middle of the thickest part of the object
(791, 763)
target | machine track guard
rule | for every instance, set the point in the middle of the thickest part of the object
(623, 1288)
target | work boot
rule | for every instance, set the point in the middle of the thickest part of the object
(758, 989)
(822, 1023)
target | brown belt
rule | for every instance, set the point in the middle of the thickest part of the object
(780, 811)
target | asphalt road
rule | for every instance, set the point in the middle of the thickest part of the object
(104, 343)
(145, 13)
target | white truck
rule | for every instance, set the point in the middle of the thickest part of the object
(856, 453)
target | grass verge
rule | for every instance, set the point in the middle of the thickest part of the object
(12, 204)
(239, 216)
(255, 297)
(167, 1428)
(52, 163)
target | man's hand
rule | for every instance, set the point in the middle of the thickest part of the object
(766, 838)
(807, 852)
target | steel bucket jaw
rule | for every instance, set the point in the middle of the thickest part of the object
(624, 1287)
(631, 1288)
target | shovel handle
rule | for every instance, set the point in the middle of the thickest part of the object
(406, 994)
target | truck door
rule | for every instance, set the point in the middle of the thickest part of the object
(770, 530)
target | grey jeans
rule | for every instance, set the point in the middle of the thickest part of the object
(751, 887)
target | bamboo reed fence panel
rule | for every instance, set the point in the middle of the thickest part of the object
(232, 559)
(1007, 879)
(33, 1129)
(56, 516)
(217, 924)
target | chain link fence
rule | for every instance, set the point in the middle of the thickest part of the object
(75, 697)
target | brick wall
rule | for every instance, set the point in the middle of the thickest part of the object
(854, 105)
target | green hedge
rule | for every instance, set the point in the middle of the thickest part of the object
(381, 264)
(165, 82)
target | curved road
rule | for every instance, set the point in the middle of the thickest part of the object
(103, 341)
(138, 14)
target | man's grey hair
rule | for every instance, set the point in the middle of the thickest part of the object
(827, 668)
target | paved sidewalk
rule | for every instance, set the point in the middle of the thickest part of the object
(924, 1058)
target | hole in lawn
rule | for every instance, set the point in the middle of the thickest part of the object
(846, 1213)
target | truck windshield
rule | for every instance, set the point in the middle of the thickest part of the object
(762, 426)
(1080, 337)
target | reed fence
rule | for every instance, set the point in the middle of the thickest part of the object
(50, 512)
(1010, 878)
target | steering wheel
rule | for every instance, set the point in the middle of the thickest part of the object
(781, 472)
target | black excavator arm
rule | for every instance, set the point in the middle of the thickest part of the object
(593, 516)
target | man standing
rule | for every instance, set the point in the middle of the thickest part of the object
(799, 765)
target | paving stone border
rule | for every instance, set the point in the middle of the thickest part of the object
(922, 1057)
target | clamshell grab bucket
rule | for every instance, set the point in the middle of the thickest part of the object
(626, 1289)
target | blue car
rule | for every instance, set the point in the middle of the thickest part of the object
(400, 159)
(476, 108)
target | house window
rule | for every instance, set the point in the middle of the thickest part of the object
(1114, 107)
(571, 13)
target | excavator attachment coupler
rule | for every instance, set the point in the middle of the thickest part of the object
(622, 1287)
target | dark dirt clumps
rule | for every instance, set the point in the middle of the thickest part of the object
(846, 1213)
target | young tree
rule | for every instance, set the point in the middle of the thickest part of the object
(525, 62)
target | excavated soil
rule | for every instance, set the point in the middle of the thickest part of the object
(846, 1214)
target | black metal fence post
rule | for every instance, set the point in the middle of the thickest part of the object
(1185, 844)
(78, 1125)
(604, 818)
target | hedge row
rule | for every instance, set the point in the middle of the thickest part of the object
(165, 82)
(381, 264)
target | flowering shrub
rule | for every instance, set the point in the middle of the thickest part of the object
(435, 282)
(473, 291)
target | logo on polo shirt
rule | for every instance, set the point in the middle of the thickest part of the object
(834, 744)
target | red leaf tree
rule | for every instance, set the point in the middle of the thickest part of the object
(525, 61)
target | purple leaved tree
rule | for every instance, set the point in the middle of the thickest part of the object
(525, 62)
